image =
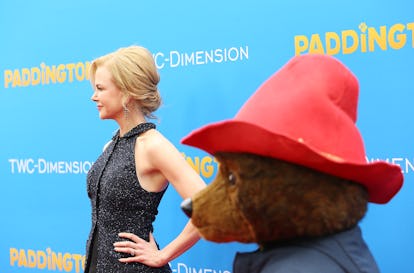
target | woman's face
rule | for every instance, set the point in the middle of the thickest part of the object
(107, 95)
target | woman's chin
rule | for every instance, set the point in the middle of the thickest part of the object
(102, 116)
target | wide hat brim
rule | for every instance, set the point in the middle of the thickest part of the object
(381, 179)
(305, 114)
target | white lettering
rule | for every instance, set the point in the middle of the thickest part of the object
(200, 57)
(183, 268)
(405, 164)
(43, 166)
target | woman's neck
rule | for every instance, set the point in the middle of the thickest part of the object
(128, 122)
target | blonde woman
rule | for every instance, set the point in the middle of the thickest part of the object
(128, 180)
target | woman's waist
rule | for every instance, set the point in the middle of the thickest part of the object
(140, 226)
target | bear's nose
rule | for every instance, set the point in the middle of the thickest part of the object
(187, 207)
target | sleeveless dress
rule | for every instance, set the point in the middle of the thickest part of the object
(119, 204)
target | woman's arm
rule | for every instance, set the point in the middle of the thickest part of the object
(148, 253)
(165, 158)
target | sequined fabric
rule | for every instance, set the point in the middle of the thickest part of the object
(119, 204)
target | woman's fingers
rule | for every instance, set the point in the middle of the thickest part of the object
(139, 250)
(131, 237)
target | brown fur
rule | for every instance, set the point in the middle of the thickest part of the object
(271, 200)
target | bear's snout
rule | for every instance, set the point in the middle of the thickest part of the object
(187, 207)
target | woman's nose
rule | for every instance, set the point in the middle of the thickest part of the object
(93, 97)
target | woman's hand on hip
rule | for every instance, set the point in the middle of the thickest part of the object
(140, 250)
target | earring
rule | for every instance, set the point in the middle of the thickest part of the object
(126, 111)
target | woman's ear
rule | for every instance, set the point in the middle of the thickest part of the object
(126, 100)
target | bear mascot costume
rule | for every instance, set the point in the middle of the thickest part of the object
(293, 175)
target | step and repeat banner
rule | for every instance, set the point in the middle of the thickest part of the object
(211, 55)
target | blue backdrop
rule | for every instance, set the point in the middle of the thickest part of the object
(212, 55)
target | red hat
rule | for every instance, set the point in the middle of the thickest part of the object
(305, 114)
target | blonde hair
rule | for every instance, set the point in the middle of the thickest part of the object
(134, 72)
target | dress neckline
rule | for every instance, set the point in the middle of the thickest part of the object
(137, 130)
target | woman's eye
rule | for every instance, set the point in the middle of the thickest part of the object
(232, 178)
(98, 87)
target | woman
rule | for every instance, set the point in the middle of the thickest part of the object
(128, 180)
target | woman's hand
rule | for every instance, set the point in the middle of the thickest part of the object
(140, 250)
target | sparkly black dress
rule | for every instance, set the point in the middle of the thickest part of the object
(119, 204)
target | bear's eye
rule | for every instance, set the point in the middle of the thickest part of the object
(232, 179)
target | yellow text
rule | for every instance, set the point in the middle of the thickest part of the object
(46, 74)
(367, 39)
(47, 259)
(204, 166)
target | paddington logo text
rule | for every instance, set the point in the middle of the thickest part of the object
(366, 39)
(45, 74)
(205, 166)
(47, 259)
